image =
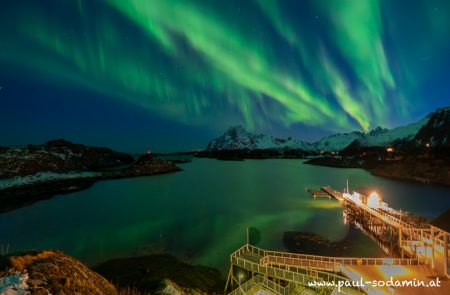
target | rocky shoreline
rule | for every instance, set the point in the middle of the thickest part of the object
(54, 272)
(311, 243)
(419, 168)
(256, 154)
(36, 173)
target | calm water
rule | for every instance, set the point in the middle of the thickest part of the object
(202, 213)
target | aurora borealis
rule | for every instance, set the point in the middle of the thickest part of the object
(303, 68)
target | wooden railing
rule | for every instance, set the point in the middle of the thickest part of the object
(419, 234)
(333, 263)
(291, 273)
(424, 232)
(271, 256)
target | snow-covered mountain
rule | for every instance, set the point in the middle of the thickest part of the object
(237, 138)
(377, 137)
(384, 137)
(336, 142)
(434, 128)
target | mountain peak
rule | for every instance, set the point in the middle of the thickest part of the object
(238, 127)
(437, 130)
(238, 138)
(378, 130)
(433, 129)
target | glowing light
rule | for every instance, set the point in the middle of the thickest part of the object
(390, 149)
(241, 277)
(374, 200)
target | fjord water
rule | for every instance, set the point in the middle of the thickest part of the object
(202, 212)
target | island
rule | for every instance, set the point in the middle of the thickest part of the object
(37, 172)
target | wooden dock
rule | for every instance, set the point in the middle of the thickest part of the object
(325, 192)
(288, 273)
(425, 252)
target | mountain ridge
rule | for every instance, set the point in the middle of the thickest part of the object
(238, 138)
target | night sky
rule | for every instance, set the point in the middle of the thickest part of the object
(171, 74)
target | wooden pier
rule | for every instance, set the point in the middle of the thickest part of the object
(318, 192)
(423, 252)
(325, 192)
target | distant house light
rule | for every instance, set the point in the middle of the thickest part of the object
(427, 145)
(390, 149)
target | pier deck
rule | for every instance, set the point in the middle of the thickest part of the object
(425, 252)
(291, 271)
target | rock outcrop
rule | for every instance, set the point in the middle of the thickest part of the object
(34, 173)
(53, 272)
(58, 156)
(437, 130)
(148, 165)
(163, 274)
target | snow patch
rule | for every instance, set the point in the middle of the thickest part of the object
(43, 177)
(14, 284)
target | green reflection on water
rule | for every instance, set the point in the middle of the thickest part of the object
(201, 214)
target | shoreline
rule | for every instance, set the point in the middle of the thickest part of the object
(22, 195)
(404, 170)
(17, 196)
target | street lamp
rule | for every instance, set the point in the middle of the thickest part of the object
(240, 276)
(374, 200)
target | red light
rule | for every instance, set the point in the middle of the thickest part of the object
(149, 152)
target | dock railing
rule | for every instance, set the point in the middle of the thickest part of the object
(297, 274)
(283, 257)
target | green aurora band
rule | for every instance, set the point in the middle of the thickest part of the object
(197, 61)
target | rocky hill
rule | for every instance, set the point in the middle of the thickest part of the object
(146, 165)
(162, 272)
(53, 272)
(50, 272)
(34, 173)
(436, 132)
(58, 156)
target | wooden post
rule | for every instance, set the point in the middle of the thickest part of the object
(400, 242)
(424, 247)
(229, 279)
(446, 266)
(248, 237)
(391, 242)
(432, 248)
